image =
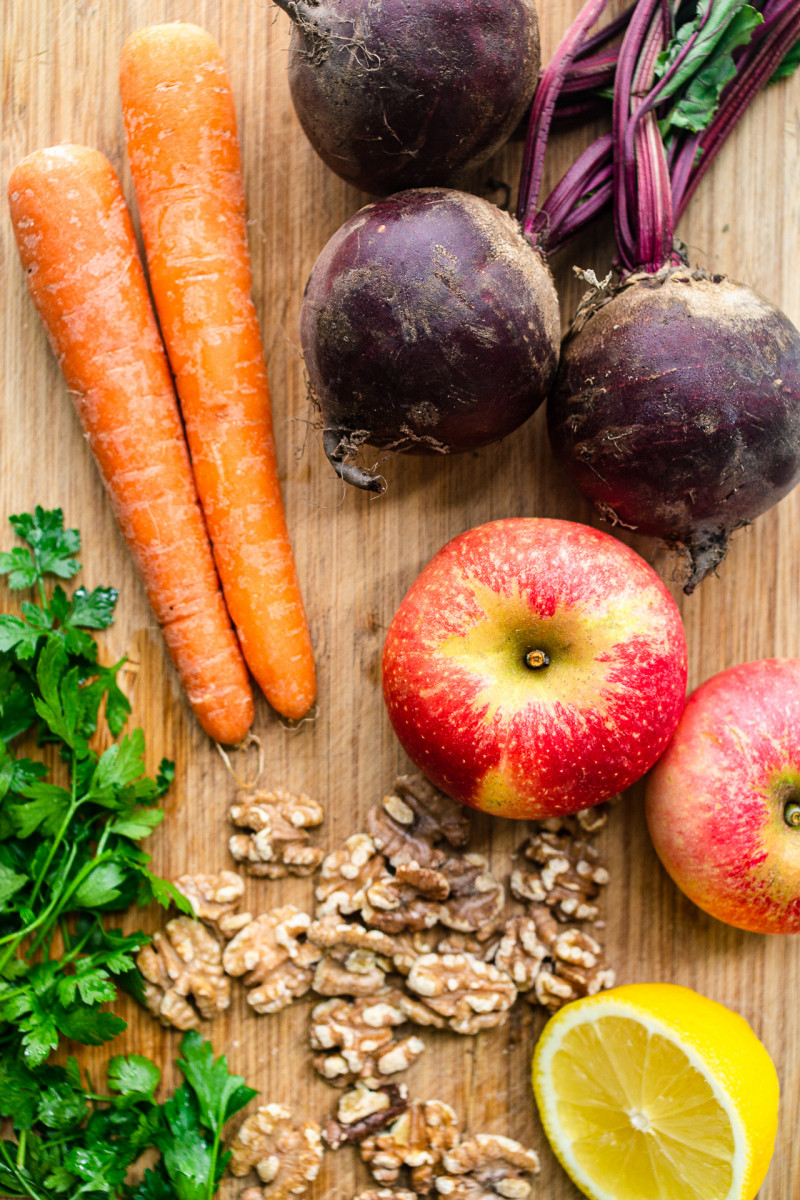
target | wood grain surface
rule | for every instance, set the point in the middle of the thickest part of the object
(357, 555)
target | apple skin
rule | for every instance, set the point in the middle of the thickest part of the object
(716, 800)
(517, 742)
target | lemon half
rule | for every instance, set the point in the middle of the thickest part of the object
(653, 1092)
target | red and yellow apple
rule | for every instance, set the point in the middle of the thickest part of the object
(535, 667)
(723, 804)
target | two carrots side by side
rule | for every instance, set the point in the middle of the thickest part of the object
(83, 270)
(184, 153)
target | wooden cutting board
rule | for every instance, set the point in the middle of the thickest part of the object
(357, 555)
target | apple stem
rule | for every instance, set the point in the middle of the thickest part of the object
(536, 659)
(791, 814)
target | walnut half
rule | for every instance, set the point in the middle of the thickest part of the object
(277, 844)
(486, 1166)
(469, 993)
(214, 899)
(183, 961)
(274, 955)
(356, 1038)
(286, 1155)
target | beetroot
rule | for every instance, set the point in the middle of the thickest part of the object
(677, 404)
(429, 324)
(677, 410)
(395, 94)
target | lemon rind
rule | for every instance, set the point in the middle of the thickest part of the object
(551, 1043)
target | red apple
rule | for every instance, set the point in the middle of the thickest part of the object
(535, 667)
(723, 805)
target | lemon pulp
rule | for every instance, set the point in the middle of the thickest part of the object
(654, 1092)
(641, 1121)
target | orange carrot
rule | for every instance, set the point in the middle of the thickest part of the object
(184, 152)
(79, 253)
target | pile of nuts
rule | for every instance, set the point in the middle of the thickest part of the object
(409, 929)
(419, 1144)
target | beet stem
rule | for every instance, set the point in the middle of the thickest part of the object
(543, 108)
(334, 443)
(564, 209)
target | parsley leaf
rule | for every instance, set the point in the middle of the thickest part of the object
(133, 1076)
(219, 1093)
(52, 546)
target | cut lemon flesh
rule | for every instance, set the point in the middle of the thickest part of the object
(634, 1090)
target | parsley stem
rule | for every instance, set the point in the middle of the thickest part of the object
(16, 1171)
(44, 915)
(58, 839)
(78, 947)
(58, 904)
(21, 1148)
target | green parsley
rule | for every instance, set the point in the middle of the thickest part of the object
(69, 836)
(72, 1141)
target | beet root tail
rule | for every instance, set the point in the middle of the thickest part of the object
(705, 555)
(337, 447)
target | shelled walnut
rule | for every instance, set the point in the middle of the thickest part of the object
(408, 947)
(476, 900)
(469, 993)
(414, 819)
(574, 966)
(357, 1040)
(417, 1141)
(362, 1111)
(520, 952)
(586, 822)
(386, 1194)
(277, 844)
(275, 956)
(184, 961)
(564, 873)
(285, 1154)
(346, 874)
(408, 902)
(215, 898)
(355, 960)
(486, 1166)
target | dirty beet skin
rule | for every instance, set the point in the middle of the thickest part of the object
(429, 325)
(677, 410)
(404, 93)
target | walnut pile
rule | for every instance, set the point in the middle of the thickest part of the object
(356, 1038)
(285, 1154)
(277, 844)
(215, 898)
(184, 961)
(275, 956)
(422, 1147)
